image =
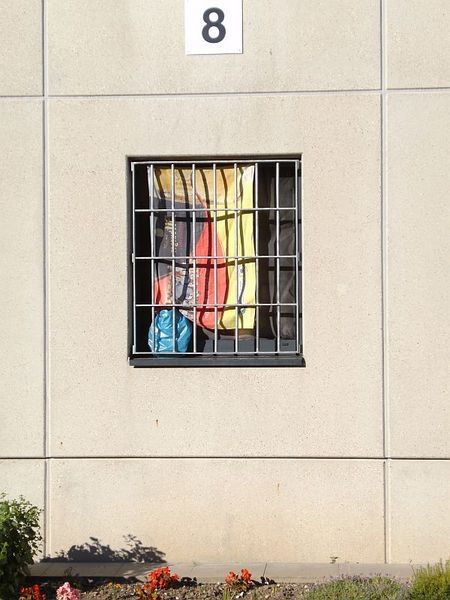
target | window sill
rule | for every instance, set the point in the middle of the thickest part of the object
(218, 361)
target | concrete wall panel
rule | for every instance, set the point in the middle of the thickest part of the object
(220, 510)
(418, 43)
(419, 509)
(21, 276)
(23, 477)
(21, 48)
(313, 44)
(231, 464)
(419, 264)
(100, 405)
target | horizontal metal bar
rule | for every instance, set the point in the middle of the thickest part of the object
(214, 210)
(212, 305)
(223, 353)
(214, 162)
(212, 257)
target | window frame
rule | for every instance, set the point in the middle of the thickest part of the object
(237, 359)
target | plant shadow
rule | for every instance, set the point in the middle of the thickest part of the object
(94, 551)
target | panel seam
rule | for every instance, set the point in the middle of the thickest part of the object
(384, 283)
(228, 457)
(164, 96)
(47, 458)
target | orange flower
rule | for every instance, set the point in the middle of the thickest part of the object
(231, 578)
(246, 575)
(158, 579)
(31, 593)
(242, 581)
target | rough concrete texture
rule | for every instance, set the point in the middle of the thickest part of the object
(313, 44)
(332, 408)
(418, 43)
(227, 509)
(418, 522)
(230, 464)
(21, 48)
(22, 279)
(418, 267)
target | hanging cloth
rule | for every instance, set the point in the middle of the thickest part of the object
(227, 282)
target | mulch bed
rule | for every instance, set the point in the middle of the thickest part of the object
(202, 591)
(102, 589)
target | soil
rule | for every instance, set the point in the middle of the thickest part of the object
(202, 591)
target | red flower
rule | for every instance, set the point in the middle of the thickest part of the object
(158, 579)
(246, 576)
(231, 578)
(32, 593)
(242, 581)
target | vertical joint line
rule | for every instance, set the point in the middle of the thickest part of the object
(384, 281)
(46, 363)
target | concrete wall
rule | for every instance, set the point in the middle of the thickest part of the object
(348, 457)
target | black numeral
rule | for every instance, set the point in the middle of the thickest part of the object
(218, 23)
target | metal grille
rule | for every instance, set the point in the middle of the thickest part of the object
(218, 242)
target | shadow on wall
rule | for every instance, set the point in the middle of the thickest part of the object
(95, 551)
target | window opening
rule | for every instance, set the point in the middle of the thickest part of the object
(216, 262)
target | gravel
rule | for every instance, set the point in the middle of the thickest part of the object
(202, 591)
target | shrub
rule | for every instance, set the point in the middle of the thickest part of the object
(19, 541)
(359, 588)
(431, 582)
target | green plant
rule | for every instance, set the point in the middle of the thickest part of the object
(359, 588)
(431, 582)
(19, 541)
(114, 588)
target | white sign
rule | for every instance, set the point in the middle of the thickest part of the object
(213, 26)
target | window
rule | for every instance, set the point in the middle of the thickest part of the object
(216, 262)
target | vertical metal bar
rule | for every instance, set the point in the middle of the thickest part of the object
(133, 193)
(151, 187)
(215, 257)
(236, 266)
(257, 255)
(301, 256)
(277, 206)
(174, 300)
(297, 307)
(194, 226)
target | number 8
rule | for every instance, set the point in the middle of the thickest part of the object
(210, 24)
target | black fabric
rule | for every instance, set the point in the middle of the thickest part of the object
(267, 245)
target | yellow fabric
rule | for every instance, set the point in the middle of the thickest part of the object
(241, 284)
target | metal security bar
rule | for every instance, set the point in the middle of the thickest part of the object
(216, 245)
